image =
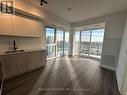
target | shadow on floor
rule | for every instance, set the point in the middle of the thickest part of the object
(65, 76)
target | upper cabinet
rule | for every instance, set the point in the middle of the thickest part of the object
(19, 26)
(5, 25)
(36, 28)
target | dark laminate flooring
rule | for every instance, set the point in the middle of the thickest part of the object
(65, 76)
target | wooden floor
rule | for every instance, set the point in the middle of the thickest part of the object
(65, 76)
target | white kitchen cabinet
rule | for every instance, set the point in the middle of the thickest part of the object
(21, 26)
(36, 28)
(5, 25)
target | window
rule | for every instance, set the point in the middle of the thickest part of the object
(50, 35)
(50, 42)
(57, 42)
(66, 43)
(77, 42)
(89, 42)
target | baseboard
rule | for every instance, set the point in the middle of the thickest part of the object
(108, 67)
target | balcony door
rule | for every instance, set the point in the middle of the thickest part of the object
(55, 42)
(50, 42)
(97, 36)
(91, 42)
(59, 42)
(85, 42)
(66, 43)
(77, 42)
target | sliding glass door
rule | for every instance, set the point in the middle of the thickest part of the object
(50, 42)
(66, 43)
(97, 37)
(57, 42)
(77, 42)
(85, 42)
(89, 42)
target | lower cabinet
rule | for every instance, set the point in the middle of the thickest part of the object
(15, 64)
(35, 60)
(20, 63)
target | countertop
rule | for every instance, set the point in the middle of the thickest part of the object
(25, 50)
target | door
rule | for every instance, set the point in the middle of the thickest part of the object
(97, 36)
(77, 42)
(66, 43)
(50, 42)
(91, 42)
(59, 42)
(55, 42)
(85, 42)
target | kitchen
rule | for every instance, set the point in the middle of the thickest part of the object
(22, 39)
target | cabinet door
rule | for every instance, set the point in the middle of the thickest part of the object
(36, 28)
(15, 64)
(5, 25)
(35, 60)
(21, 26)
(43, 57)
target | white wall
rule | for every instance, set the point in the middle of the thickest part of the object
(124, 92)
(122, 63)
(113, 34)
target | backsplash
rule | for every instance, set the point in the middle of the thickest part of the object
(6, 43)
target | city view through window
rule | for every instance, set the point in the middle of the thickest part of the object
(89, 42)
(57, 42)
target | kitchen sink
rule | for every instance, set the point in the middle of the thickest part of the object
(13, 51)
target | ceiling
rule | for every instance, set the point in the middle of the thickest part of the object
(83, 9)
